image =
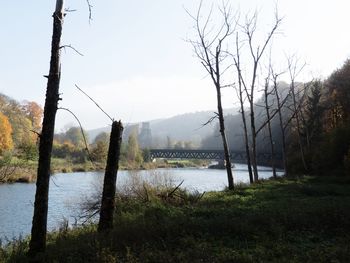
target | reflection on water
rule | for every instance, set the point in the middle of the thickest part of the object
(67, 191)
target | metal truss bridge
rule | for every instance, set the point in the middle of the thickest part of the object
(237, 156)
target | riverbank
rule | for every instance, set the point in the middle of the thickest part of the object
(294, 220)
(26, 171)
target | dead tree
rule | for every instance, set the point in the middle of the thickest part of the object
(256, 53)
(39, 226)
(209, 51)
(109, 185)
(242, 98)
(267, 106)
(294, 71)
(281, 120)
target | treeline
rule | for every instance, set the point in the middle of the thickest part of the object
(20, 126)
(316, 125)
(73, 145)
(325, 130)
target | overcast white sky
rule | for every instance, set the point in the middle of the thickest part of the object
(136, 64)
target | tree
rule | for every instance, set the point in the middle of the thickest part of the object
(6, 142)
(267, 92)
(282, 126)
(314, 114)
(242, 99)
(297, 101)
(39, 226)
(212, 57)
(100, 147)
(133, 150)
(102, 137)
(21, 124)
(338, 97)
(34, 113)
(109, 185)
(99, 151)
(76, 137)
(250, 84)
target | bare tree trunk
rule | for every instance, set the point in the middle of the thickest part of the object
(39, 226)
(109, 185)
(296, 112)
(246, 140)
(241, 101)
(256, 54)
(212, 58)
(252, 121)
(272, 146)
(294, 70)
(283, 132)
(254, 149)
(224, 140)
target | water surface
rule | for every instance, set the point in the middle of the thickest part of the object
(68, 190)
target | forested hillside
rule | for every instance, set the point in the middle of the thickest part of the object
(317, 130)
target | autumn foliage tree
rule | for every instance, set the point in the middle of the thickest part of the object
(6, 142)
(35, 113)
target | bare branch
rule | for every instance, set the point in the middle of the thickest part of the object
(82, 132)
(71, 47)
(174, 190)
(90, 10)
(68, 10)
(35, 132)
(94, 102)
(211, 119)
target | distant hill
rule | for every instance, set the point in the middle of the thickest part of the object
(184, 127)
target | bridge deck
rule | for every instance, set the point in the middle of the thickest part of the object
(203, 154)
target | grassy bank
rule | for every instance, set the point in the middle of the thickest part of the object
(25, 171)
(17, 170)
(301, 220)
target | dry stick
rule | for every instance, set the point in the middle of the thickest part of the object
(82, 132)
(177, 187)
(94, 102)
(73, 48)
(90, 10)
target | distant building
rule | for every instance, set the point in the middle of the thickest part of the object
(130, 129)
(145, 135)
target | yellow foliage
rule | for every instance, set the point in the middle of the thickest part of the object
(6, 142)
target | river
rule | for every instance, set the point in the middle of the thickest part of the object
(68, 190)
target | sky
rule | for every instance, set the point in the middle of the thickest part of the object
(137, 64)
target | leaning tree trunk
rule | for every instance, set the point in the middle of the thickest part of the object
(39, 226)
(109, 185)
(224, 140)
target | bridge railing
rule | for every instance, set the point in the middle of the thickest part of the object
(239, 156)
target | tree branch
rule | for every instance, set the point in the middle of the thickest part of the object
(94, 102)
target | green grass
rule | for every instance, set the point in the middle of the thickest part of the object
(300, 220)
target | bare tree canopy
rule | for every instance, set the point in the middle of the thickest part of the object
(210, 50)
